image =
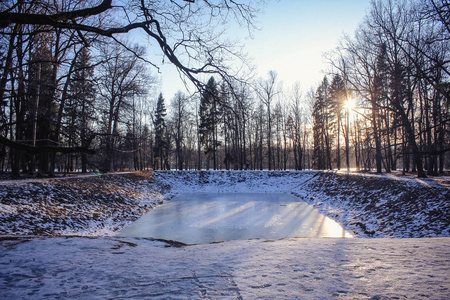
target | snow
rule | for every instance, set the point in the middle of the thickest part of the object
(368, 205)
(99, 265)
(132, 268)
(84, 205)
(232, 181)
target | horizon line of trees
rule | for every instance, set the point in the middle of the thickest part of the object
(68, 107)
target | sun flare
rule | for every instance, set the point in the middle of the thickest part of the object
(350, 104)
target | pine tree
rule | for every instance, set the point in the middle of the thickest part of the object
(338, 96)
(41, 96)
(319, 130)
(209, 118)
(160, 146)
(81, 105)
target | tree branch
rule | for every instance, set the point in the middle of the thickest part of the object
(7, 18)
(37, 149)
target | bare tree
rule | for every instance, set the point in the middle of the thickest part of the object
(298, 116)
(187, 33)
(267, 90)
(119, 82)
(398, 63)
(180, 120)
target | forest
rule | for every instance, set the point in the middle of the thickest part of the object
(78, 95)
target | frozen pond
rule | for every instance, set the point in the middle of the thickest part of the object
(195, 218)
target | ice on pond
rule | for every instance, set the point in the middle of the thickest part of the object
(195, 218)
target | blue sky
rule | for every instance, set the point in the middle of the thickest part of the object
(294, 36)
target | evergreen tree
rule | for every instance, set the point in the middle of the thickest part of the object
(319, 131)
(338, 96)
(209, 118)
(40, 92)
(80, 108)
(160, 147)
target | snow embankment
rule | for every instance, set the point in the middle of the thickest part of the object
(88, 206)
(382, 206)
(176, 182)
(366, 204)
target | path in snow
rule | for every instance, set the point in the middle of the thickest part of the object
(123, 268)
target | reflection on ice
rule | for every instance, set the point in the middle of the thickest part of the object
(211, 217)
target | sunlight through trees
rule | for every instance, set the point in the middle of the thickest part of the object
(78, 95)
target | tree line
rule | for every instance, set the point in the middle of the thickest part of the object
(74, 101)
(74, 88)
(398, 66)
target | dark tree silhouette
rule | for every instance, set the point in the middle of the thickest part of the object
(160, 148)
(209, 113)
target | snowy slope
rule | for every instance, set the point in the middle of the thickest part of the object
(76, 206)
(176, 182)
(382, 206)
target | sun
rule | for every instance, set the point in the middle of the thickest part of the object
(350, 104)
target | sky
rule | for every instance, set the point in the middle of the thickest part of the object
(292, 40)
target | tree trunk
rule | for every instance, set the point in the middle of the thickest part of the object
(376, 136)
(338, 154)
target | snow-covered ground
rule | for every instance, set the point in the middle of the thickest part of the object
(82, 205)
(101, 266)
(119, 268)
(233, 181)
